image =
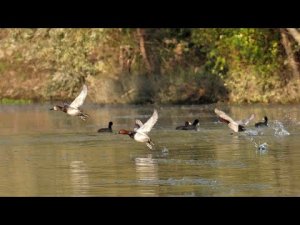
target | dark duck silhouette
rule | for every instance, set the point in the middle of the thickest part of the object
(262, 124)
(236, 126)
(186, 124)
(189, 126)
(107, 129)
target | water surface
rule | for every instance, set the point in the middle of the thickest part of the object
(47, 153)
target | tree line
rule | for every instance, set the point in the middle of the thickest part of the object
(141, 65)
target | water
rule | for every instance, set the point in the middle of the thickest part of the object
(46, 153)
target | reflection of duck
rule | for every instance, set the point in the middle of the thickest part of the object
(236, 126)
(146, 168)
(262, 124)
(147, 173)
(140, 132)
(107, 129)
(79, 177)
(73, 108)
(189, 126)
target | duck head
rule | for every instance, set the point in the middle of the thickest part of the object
(187, 123)
(196, 122)
(122, 131)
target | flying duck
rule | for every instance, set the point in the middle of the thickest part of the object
(140, 132)
(73, 108)
(236, 126)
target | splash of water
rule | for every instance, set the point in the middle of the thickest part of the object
(263, 147)
(290, 119)
(258, 146)
(279, 129)
(165, 150)
(253, 132)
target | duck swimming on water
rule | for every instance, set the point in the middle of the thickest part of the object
(107, 129)
(262, 124)
(236, 126)
(189, 126)
(73, 108)
(140, 132)
(187, 123)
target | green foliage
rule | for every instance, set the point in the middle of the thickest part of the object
(228, 49)
(67, 54)
(243, 58)
(8, 101)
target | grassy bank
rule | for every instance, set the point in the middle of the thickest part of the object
(7, 101)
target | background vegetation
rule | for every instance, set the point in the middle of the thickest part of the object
(151, 65)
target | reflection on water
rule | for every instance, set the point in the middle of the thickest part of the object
(146, 168)
(79, 177)
(147, 172)
(51, 154)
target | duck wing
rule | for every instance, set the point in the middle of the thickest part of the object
(80, 98)
(224, 116)
(137, 125)
(234, 126)
(246, 121)
(146, 127)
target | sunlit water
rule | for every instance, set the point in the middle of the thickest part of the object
(47, 153)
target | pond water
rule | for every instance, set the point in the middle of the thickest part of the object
(48, 153)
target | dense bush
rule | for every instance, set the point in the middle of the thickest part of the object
(147, 65)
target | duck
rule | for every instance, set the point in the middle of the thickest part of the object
(262, 124)
(189, 126)
(186, 124)
(107, 129)
(236, 126)
(140, 131)
(73, 108)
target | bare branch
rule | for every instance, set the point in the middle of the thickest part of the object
(290, 56)
(295, 34)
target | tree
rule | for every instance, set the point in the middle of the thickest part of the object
(289, 51)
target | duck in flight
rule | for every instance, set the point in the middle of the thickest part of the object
(73, 108)
(107, 129)
(140, 131)
(236, 126)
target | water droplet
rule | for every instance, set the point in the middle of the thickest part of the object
(279, 129)
(165, 150)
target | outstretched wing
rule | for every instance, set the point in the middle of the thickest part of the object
(234, 126)
(224, 116)
(246, 121)
(137, 125)
(146, 127)
(80, 98)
